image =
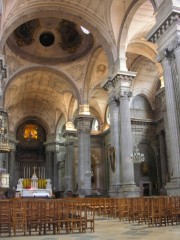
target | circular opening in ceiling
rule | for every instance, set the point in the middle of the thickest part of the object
(47, 39)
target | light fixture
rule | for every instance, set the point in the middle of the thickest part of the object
(137, 157)
(4, 141)
(88, 173)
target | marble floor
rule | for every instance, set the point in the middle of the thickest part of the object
(113, 229)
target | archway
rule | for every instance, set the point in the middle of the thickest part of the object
(30, 151)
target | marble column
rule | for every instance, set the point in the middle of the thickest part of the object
(173, 186)
(83, 125)
(122, 82)
(114, 172)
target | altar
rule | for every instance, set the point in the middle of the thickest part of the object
(36, 193)
(34, 187)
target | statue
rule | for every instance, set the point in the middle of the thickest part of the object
(112, 157)
(48, 184)
(20, 184)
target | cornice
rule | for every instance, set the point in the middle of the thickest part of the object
(143, 122)
(157, 33)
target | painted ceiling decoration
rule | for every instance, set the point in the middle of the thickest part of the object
(24, 33)
(70, 38)
(50, 40)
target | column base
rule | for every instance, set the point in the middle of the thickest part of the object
(85, 193)
(173, 187)
(114, 191)
(127, 190)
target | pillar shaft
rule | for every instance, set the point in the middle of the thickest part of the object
(83, 124)
(163, 159)
(172, 118)
(69, 166)
(126, 140)
(122, 82)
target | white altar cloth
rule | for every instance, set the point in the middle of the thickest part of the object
(36, 193)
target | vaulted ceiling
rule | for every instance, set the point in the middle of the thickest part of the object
(54, 64)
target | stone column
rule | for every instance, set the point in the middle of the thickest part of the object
(55, 170)
(69, 166)
(13, 176)
(97, 174)
(173, 186)
(122, 82)
(163, 160)
(61, 168)
(48, 164)
(114, 171)
(83, 124)
(165, 34)
(176, 76)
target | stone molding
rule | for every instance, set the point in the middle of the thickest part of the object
(143, 122)
(108, 85)
(125, 78)
(173, 18)
(83, 123)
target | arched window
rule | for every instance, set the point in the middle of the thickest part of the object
(95, 125)
(107, 115)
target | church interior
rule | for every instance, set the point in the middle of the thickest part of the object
(89, 110)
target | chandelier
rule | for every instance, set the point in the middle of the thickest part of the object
(88, 173)
(4, 141)
(137, 157)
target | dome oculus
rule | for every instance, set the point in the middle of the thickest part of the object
(47, 39)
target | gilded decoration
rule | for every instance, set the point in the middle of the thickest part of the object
(31, 137)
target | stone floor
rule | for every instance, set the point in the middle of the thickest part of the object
(108, 229)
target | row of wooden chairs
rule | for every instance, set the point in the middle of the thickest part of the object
(44, 216)
(154, 211)
(35, 216)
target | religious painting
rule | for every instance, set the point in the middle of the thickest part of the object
(112, 157)
(101, 69)
(146, 169)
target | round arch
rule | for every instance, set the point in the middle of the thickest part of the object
(63, 75)
(123, 33)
